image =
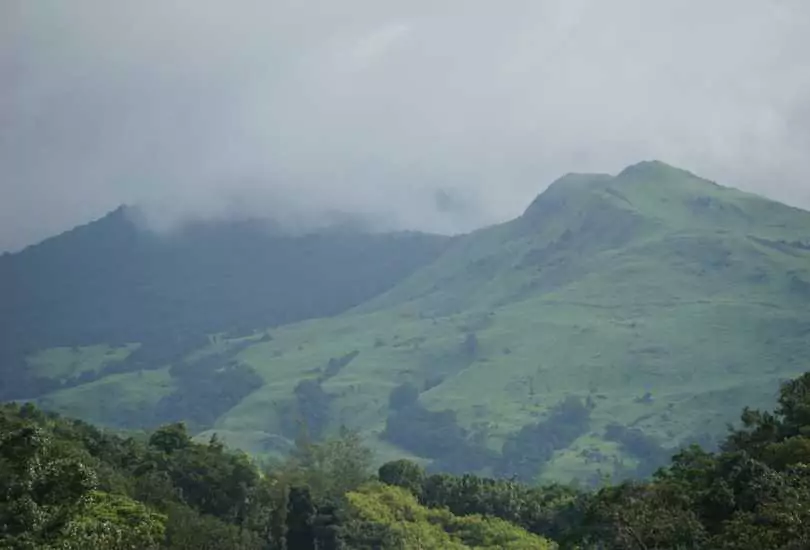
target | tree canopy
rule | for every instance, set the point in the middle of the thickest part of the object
(65, 484)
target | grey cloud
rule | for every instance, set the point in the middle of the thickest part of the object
(392, 110)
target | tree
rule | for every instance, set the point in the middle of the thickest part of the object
(170, 438)
(639, 517)
(300, 519)
(188, 530)
(403, 473)
(113, 522)
(41, 489)
(382, 516)
(329, 469)
(762, 430)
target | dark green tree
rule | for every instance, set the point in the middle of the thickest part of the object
(300, 519)
(170, 438)
(403, 473)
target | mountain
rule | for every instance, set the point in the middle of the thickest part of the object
(618, 318)
(116, 283)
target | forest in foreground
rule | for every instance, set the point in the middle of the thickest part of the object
(65, 484)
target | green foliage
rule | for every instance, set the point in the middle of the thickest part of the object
(329, 468)
(167, 491)
(42, 486)
(642, 516)
(774, 433)
(48, 485)
(300, 519)
(552, 511)
(403, 473)
(392, 515)
(187, 529)
(113, 522)
(67, 485)
(169, 439)
(755, 494)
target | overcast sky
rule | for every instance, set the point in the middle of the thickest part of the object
(432, 114)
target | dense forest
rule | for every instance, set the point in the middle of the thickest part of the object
(66, 484)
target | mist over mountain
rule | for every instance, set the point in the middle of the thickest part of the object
(113, 280)
(205, 110)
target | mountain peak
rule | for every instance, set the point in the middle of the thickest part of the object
(655, 170)
(562, 189)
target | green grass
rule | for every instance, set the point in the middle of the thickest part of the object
(571, 465)
(61, 363)
(120, 400)
(651, 282)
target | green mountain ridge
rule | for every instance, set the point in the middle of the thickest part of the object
(113, 282)
(657, 300)
(246, 270)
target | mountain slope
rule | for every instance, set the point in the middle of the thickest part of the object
(591, 223)
(111, 282)
(617, 315)
(665, 299)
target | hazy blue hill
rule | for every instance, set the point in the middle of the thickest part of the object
(617, 317)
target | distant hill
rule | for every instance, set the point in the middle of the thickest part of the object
(618, 318)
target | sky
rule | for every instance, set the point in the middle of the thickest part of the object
(438, 115)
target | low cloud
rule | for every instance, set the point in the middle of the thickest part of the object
(440, 115)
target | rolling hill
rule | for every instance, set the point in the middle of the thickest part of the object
(618, 318)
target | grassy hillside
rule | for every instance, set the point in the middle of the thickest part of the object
(616, 316)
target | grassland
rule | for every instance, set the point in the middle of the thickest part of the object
(126, 399)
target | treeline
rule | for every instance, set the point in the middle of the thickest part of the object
(64, 484)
